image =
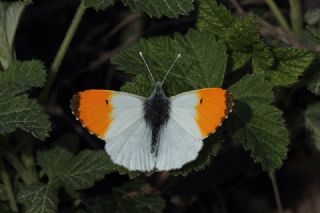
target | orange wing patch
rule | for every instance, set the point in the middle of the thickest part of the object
(213, 107)
(93, 109)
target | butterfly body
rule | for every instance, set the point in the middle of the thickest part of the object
(156, 113)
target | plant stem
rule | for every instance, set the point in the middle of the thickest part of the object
(63, 48)
(296, 18)
(8, 186)
(24, 173)
(276, 191)
(277, 13)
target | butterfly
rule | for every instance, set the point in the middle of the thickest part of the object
(156, 132)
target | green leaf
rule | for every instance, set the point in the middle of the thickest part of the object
(214, 17)
(259, 125)
(38, 198)
(290, 64)
(314, 34)
(132, 197)
(202, 64)
(312, 121)
(158, 8)
(314, 84)
(98, 4)
(26, 114)
(240, 34)
(10, 13)
(21, 76)
(75, 172)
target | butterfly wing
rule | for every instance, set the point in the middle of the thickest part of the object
(117, 118)
(194, 115)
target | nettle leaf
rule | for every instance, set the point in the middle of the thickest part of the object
(26, 114)
(314, 84)
(10, 13)
(290, 64)
(21, 76)
(75, 172)
(158, 8)
(132, 197)
(259, 126)
(314, 34)
(201, 65)
(38, 198)
(98, 4)
(240, 34)
(312, 121)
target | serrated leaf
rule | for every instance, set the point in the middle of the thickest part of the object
(259, 125)
(239, 60)
(201, 65)
(132, 197)
(98, 4)
(38, 198)
(214, 17)
(21, 76)
(314, 84)
(10, 13)
(158, 8)
(314, 34)
(290, 64)
(75, 172)
(240, 34)
(312, 121)
(26, 114)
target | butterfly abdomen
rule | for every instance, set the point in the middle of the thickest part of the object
(157, 113)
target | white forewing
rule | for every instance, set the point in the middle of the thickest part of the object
(183, 111)
(128, 138)
(127, 109)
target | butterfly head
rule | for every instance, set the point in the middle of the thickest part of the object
(158, 91)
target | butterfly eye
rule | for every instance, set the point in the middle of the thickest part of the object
(107, 102)
(201, 101)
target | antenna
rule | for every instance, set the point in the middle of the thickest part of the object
(140, 53)
(175, 60)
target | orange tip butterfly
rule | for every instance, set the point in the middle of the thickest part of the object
(154, 133)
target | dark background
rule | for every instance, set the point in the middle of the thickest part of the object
(233, 183)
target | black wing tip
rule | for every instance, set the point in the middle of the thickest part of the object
(74, 104)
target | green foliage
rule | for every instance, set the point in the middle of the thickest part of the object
(290, 64)
(16, 110)
(314, 34)
(98, 4)
(312, 121)
(314, 84)
(39, 198)
(10, 13)
(75, 171)
(259, 125)
(157, 8)
(240, 34)
(202, 64)
(132, 197)
(21, 76)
